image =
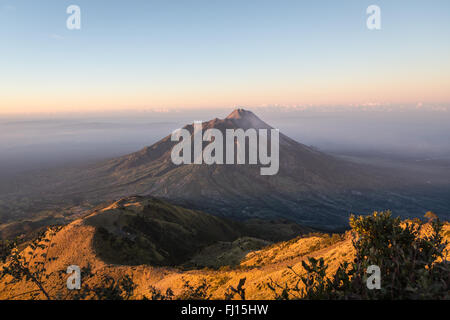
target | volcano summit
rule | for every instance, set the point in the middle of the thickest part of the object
(213, 153)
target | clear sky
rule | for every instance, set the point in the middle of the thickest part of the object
(211, 53)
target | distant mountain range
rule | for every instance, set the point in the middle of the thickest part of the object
(311, 187)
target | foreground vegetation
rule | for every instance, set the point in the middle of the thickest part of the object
(411, 256)
(412, 260)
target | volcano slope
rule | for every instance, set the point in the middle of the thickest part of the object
(311, 187)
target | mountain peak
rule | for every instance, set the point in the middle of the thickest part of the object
(246, 119)
(240, 113)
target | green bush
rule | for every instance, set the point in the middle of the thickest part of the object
(413, 265)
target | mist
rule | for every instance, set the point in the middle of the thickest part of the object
(35, 142)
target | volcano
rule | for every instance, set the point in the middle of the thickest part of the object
(311, 187)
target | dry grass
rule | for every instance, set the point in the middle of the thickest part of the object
(73, 244)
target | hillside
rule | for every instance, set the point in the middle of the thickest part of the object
(182, 242)
(111, 242)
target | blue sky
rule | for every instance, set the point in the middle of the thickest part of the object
(193, 53)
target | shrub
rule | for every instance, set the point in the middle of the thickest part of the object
(156, 294)
(413, 265)
(191, 292)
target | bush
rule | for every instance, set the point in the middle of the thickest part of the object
(413, 264)
(191, 292)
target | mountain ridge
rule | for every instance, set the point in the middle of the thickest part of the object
(221, 264)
